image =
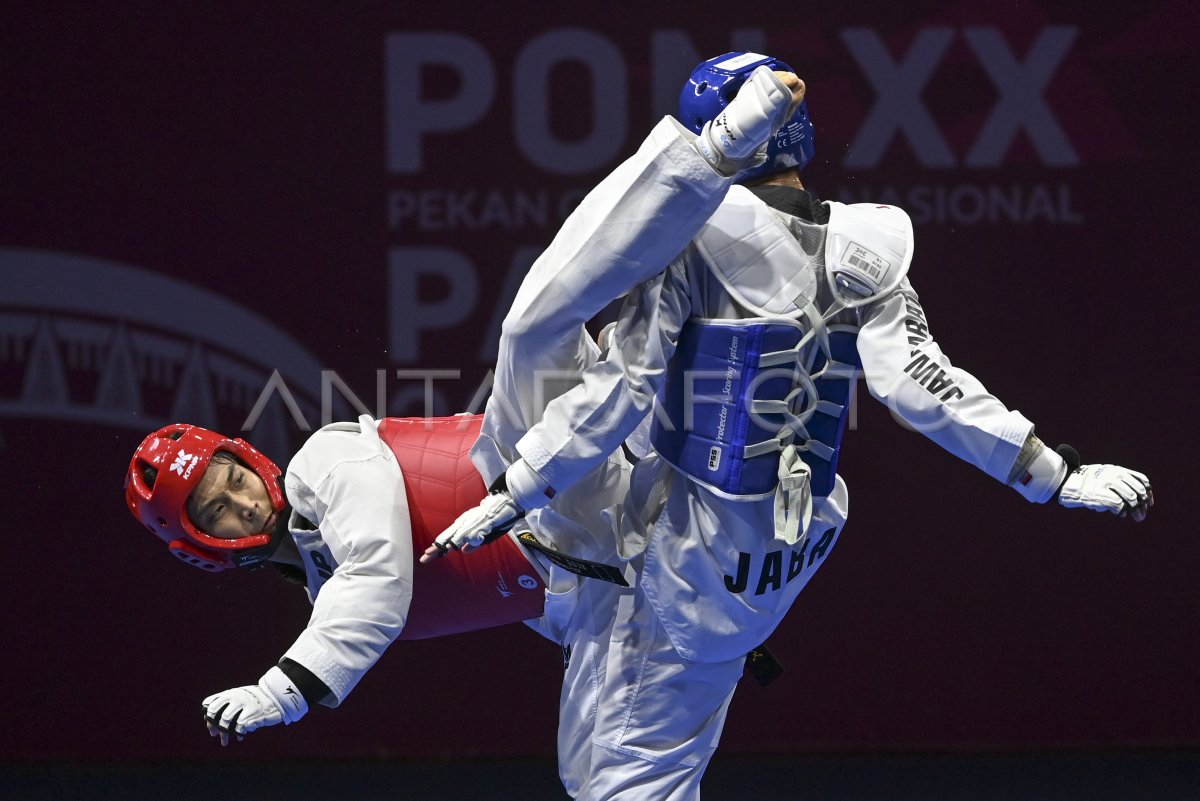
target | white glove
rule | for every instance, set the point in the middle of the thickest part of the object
(730, 141)
(477, 526)
(242, 710)
(1108, 488)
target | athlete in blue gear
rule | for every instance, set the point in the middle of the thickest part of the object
(750, 308)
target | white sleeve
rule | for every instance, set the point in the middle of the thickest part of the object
(906, 369)
(624, 232)
(362, 607)
(580, 428)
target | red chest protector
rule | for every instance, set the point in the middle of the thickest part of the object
(462, 592)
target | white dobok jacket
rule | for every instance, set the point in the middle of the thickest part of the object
(674, 235)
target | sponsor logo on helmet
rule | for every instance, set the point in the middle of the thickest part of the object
(184, 464)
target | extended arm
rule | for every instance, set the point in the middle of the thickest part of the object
(907, 370)
(623, 234)
(360, 608)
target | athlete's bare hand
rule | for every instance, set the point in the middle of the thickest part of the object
(795, 85)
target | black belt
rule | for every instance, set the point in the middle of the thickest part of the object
(580, 567)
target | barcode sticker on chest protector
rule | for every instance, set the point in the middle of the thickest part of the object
(861, 270)
(868, 249)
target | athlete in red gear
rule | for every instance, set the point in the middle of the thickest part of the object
(356, 502)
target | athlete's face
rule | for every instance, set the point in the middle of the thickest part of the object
(230, 502)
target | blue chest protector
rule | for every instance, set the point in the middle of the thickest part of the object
(724, 416)
(746, 400)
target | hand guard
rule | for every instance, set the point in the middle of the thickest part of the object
(1108, 488)
(242, 710)
(735, 138)
(476, 527)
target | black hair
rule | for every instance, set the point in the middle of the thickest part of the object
(225, 457)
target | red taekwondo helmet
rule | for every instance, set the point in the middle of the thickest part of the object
(178, 455)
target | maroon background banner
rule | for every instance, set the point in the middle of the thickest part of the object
(263, 220)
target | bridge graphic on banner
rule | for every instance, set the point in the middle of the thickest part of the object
(94, 341)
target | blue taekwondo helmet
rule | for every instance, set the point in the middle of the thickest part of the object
(717, 81)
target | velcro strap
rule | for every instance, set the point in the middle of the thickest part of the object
(817, 448)
(836, 369)
(762, 448)
(778, 357)
(830, 408)
(282, 691)
(793, 497)
(769, 407)
(580, 567)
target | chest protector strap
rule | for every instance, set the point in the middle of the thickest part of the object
(759, 405)
(493, 586)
